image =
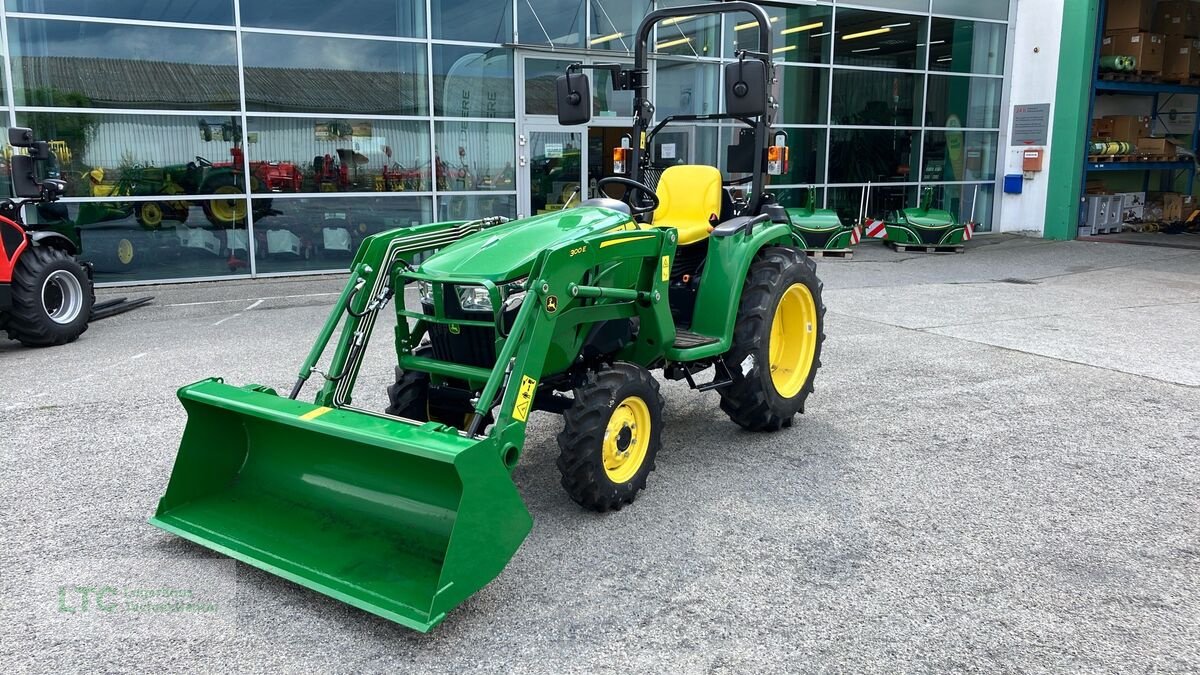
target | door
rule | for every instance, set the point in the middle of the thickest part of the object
(552, 161)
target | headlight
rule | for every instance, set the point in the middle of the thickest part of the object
(474, 298)
(425, 291)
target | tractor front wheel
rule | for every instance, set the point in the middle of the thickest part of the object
(52, 298)
(776, 342)
(610, 437)
(412, 397)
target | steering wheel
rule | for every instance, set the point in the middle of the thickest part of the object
(646, 204)
(202, 162)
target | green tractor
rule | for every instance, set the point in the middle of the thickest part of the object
(407, 512)
(820, 228)
(925, 226)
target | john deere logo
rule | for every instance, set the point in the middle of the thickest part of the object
(454, 329)
(552, 304)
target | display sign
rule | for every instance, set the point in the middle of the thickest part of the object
(1031, 124)
(554, 150)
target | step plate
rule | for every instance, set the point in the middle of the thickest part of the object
(687, 340)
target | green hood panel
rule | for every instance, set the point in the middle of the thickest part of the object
(815, 219)
(928, 218)
(507, 251)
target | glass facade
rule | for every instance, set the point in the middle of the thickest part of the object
(231, 138)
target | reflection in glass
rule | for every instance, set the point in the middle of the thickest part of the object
(555, 170)
(323, 233)
(218, 12)
(103, 65)
(687, 88)
(344, 155)
(615, 23)
(804, 95)
(473, 81)
(876, 98)
(467, 207)
(798, 33)
(973, 8)
(972, 102)
(795, 198)
(556, 23)
(967, 46)
(695, 35)
(967, 203)
(539, 84)
(167, 239)
(472, 20)
(103, 155)
(879, 39)
(396, 18)
(291, 73)
(958, 155)
(475, 156)
(875, 156)
(878, 200)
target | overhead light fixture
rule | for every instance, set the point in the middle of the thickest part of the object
(938, 42)
(752, 24)
(860, 51)
(678, 19)
(801, 29)
(945, 58)
(673, 43)
(606, 38)
(897, 25)
(867, 33)
(780, 50)
(816, 35)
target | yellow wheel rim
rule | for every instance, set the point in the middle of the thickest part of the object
(228, 210)
(626, 439)
(152, 214)
(125, 251)
(793, 340)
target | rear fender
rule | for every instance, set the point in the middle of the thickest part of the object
(54, 240)
(728, 263)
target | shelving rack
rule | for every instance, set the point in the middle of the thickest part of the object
(1169, 172)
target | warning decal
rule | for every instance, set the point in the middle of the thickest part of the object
(524, 398)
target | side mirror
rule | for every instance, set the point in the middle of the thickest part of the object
(746, 87)
(574, 95)
(20, 137)
(24, 183)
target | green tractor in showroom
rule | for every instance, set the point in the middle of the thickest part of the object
(407, 512)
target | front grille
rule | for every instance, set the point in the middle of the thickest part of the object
(470, 345)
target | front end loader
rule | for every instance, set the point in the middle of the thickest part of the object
(408, 511)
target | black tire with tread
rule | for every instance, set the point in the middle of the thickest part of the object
(751, 400)
(580, 443)
(408, 397)
(27, 320)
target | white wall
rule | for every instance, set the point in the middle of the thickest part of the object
(1034, 78)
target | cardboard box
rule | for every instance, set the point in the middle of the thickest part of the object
(1102, 129)
(1177, 207)
(1177, 17)
(1181, 58)
(1147, 48)
(1130, 14)
(1156, 146)
(1128, 128)
(1133, 206)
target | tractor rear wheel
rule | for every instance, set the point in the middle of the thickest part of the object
(776, 342)
(52, 298)
(411, 397)
(610, 437)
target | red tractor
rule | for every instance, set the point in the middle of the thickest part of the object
(46, 294)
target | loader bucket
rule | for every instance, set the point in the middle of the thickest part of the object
(400, 520)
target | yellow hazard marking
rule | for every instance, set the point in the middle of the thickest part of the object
(666, 268)
(624, 240)
(315, 413)
(643, 140)
(524, 398)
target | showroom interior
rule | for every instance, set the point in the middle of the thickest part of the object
(238, 138)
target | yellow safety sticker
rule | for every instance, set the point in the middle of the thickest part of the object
(315, 413)
(524, 398)
(643, 140)
(666, 268)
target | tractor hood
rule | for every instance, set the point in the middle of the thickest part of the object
(506, 252)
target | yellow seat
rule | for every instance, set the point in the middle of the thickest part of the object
(689, 197)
